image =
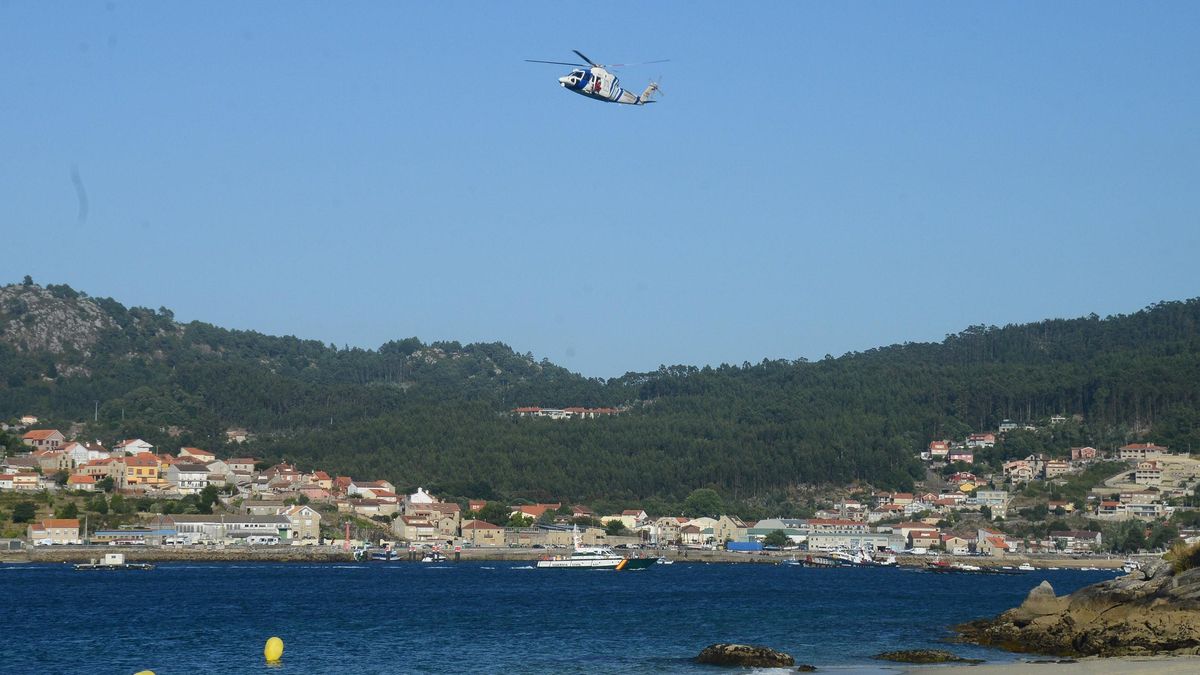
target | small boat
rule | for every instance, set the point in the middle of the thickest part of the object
(1130, 566)
(434, 557)
(823, 561)
(665, 561)
(112, 561)
(1026, 567)
(387, 554)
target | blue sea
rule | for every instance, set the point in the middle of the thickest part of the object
(483, 617)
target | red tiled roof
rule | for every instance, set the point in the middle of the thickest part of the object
(41, 434)
(61, 522)
(480, 525)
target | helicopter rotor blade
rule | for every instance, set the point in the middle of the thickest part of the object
(593, 63)
(557, 63)
(640, 63)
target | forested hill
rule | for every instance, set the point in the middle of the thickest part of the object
(436, 414)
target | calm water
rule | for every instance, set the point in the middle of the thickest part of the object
(470, 617)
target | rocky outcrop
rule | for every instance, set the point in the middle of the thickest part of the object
(36, 319)
(924, 656)
(1151, 611)
(745, 656)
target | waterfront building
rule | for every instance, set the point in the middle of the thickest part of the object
(1075, 541)
(306, 522)
(955, 545)
(991, 543)
(853, 540)
(222, 528)
(481, 533)
(55, 531)
(415, 529)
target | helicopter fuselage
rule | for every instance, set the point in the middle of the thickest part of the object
(597, 83)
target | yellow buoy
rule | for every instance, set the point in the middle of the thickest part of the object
(144, 672)
(273, 650)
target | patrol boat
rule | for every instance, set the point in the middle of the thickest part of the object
(594, 558)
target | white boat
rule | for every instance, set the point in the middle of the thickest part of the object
(434, 557)
(594, 558)
(1026, 567)
(112, 561)
(664, 561)
(1130, 566)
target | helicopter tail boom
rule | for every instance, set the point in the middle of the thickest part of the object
(648, 95)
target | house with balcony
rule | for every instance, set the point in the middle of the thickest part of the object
(1149, 472)
(188, 478)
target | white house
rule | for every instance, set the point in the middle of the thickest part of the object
(188, 478)
(133, 447)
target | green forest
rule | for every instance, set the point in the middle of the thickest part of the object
(438, 414)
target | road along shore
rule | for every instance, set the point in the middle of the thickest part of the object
(336, 553)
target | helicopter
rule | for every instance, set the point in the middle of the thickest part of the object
(590, 79)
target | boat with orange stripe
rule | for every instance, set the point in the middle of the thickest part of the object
(594, 558)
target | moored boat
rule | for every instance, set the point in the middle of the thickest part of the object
(112, 561)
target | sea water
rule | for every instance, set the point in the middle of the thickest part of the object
(483, 617)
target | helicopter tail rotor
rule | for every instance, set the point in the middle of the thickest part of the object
(648, 95)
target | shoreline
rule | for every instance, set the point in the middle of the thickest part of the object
(1116, 665)
(336, 554)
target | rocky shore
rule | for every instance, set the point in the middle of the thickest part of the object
(1153, 611)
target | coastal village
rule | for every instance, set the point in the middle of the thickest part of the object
(75, 487)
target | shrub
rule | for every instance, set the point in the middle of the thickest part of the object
(1183, 557)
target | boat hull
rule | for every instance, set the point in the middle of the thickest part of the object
(580, 563)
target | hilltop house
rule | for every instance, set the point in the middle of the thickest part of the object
(188, 478)
(43, 439)
(1149, 472)
(1140, 451)
(985, 440)
(197, 455)
(135, 446)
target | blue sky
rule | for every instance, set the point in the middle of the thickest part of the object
(819, 178)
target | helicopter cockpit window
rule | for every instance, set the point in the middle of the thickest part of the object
(576, 74)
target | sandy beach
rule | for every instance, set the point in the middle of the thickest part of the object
(1147, 665)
